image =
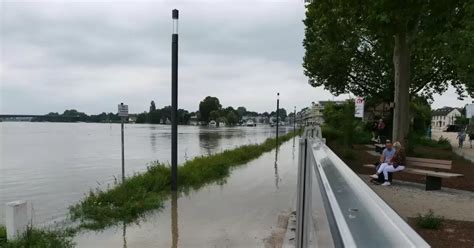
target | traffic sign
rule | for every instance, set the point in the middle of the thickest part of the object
(359, 107)
(122, 110)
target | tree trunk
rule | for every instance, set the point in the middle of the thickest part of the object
(401, 62)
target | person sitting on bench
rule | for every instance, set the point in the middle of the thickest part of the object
(397, 163)
(387, 153)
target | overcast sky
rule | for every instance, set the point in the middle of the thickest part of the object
(92, 56)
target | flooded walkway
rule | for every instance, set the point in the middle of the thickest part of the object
(240, 213)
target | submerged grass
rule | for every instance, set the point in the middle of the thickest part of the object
(40, 238)
(127, 202)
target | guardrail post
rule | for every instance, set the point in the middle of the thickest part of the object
(16, 219)
(303, 201)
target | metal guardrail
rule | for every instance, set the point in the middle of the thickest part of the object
(335, 208)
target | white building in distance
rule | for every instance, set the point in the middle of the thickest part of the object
(443, 117)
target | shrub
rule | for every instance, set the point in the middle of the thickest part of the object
(429, 220)
(414, 140)
(331, 133)
(348, 154)
(3, 235)
(37, 238)
(444, 142)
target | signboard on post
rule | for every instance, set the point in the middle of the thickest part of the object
(470, 110)
(359, 107)
(122, 110)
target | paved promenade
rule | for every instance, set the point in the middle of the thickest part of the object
(466, 151)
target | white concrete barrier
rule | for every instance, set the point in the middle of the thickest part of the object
(16, 219)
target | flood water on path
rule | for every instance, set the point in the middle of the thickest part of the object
(240, 213)
(52, 165)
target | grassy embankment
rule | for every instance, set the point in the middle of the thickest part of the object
(37, 238)
(146, 191)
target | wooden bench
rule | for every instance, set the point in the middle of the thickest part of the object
(433, 177)
(378, 147)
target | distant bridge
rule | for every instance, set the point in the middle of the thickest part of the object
(60, 118)
(19, 116)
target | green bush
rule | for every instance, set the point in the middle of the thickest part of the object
(3, 235)
(348, 154)
(38, 238)
(330, 133)
(429, 220)
(442, 142)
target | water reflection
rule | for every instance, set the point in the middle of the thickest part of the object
(277, 176)
(153, 138)
(294, 148)
(174, 219)
(124, 235)
(209, 142)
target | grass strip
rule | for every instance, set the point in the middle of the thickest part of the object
(129, 201)
(34, 237)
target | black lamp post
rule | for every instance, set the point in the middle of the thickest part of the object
(174, 102)
(278, 116)
(294, 120)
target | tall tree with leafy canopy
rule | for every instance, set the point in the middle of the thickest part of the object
(390, 50)
(208, 105)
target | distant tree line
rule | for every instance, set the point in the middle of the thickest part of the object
(209, 109)
(72, 115)
(162, 116)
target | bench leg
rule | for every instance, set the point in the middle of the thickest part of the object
(433, 183)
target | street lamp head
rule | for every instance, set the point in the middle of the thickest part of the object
(175, 16)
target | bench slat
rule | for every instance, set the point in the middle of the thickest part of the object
(428, 165)
(424, 172)
(429, 160)
(432, 173)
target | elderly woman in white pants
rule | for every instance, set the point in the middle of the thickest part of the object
(397, 163)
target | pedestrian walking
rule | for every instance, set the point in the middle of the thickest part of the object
(461, 137)
(471, 136)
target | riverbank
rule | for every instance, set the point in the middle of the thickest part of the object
(140, 193)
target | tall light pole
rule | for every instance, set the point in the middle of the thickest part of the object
(278, 116)
(294, 121)
(174, 102)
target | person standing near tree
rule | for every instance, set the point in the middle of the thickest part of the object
(380, 129)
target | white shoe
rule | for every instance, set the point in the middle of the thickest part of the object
(374, 176)
(387, 183)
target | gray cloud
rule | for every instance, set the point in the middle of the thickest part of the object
(90, 56)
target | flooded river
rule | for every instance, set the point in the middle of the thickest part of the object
(52, 165)
(243, 212)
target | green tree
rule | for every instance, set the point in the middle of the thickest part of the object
(232, 118)
(390, 50)
(461, 120)
(283, 114)
(421, 112)
(142, 117)
(152, 107)
(242, 111)
(208, 105)
(214, 115)
(155, 117)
